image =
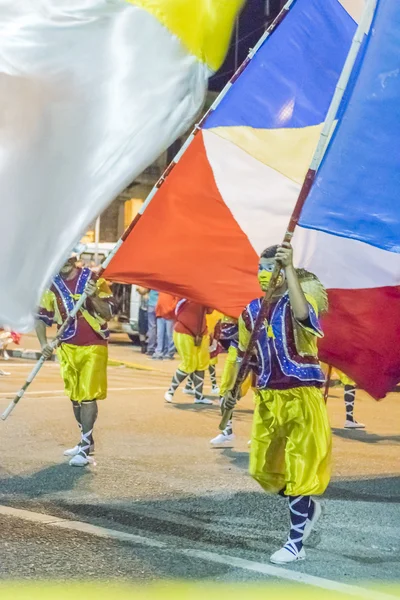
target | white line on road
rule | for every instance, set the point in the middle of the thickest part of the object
(117, 389)
(222, 559)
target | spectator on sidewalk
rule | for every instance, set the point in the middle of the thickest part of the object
(143, 323)
(152, 324)
(165, 313)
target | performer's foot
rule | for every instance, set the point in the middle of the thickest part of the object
(188, 391)
(4, 373)
(215, 390)
(353, 425)
(224, 438)
(287, 555)
(76, 449)
(79, 461)
(168, 397)
(314, 515)
(6, 356)
(203, 400)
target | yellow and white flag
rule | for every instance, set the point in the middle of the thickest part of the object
(91, 92)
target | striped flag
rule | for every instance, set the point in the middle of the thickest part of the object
(232, 192)
(91, 93)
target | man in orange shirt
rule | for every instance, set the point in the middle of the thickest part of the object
(165, 313)
(191, 341)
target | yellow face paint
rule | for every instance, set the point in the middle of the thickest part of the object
(203, 26)
(264, 278)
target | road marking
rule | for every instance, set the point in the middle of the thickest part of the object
(116, 389)
(222, 559)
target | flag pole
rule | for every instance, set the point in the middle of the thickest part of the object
(328, 383)
(146, 203)
(327, 130)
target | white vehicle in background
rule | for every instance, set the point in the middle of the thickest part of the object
(126, 297)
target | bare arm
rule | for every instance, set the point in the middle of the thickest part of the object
(41, 332)
(100, 305)
(298, 300)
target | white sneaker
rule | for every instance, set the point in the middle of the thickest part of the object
(311, 523)
(6, 356)
(79, 461)
(203, 400)
(222, 438)
(285, 556)
(4, 373)
(215, 390)
(249, 443)
(76, 449)
(168, 397)
(188, 391)
(353, 425)
(72, 451)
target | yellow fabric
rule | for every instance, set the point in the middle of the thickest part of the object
(336, 374)
(229, 374)
(84, 371)
(193, 358)
(212, 320)
(213, 361)
(288, 151)
(49, 303)
(291, 441)
(203, 26)
(305, 337)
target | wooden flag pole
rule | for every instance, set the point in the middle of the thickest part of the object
(146, 203)
(363, 27)
(328, 383)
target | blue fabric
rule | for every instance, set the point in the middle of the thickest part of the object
(291, 79)
(153, 299)
(152, 330)
(356, 192)
(165, 343)
(267, 347)
(69, 302)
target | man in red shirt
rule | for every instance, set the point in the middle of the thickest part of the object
(83, 352)
(165, 313)
(192, 342)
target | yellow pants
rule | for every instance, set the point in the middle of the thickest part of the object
(343, 378)
(229, 372)
(193, 358)
(291, 441)
(84, 371)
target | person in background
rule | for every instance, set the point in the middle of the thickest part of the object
(165, 313)
(152, 323)
(191, 341)
(143, 317)
(83, 351)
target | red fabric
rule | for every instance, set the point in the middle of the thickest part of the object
(166, 306)
(191, 319)
(201, 253)
(85, 335)
(362, 333)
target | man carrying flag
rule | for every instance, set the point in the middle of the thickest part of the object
(291, 438)
(83, 352)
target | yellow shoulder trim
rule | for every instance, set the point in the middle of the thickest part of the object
(203, 26)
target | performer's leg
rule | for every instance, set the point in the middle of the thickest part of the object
(189, 387)
(198, 382)
(349, 399)
(89, 412)
(76, 407)
(177, 379)
(299, 507)
(213, 376)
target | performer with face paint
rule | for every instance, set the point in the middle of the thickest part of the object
(291, 437)
(83, 352)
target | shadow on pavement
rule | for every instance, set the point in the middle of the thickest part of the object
(57, 478)
(360, 435)
(378, 489)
